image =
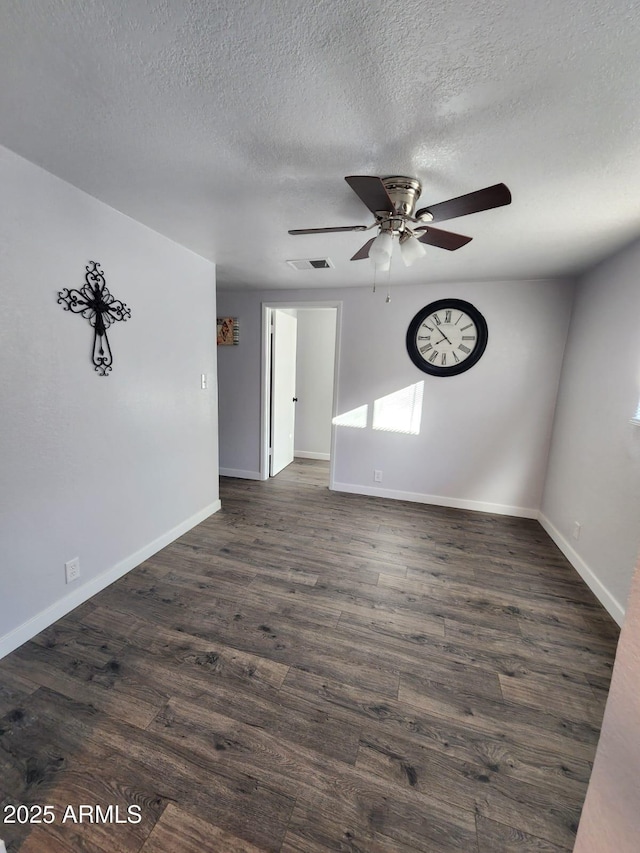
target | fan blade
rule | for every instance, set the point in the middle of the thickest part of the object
(328, 230)
(371, 191)
(364, 251)
(485, 199)
(443, 239)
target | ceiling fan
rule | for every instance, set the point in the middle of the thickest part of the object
(393, 200)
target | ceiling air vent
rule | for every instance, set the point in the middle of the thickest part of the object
(315, 264)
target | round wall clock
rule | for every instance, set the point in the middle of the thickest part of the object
(447, 337)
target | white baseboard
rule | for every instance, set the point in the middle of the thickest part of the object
(240, 474)
(608, 601)
(311, 454)
(437, 500)
(82, 593)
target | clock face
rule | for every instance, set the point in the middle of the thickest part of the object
(447, 337)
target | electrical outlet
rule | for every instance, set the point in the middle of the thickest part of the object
(576, 530)
(203, 381)
(72, 570)
(377, 476)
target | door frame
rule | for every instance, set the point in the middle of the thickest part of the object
(265, 379)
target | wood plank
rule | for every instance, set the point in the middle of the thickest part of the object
(57, 767)
(279, 638)
(545, 691)
(177, 830)
(234, 565)
(106, 685)
(14, 690)
(526, 754)
(541, 608)
(233, 800)
(187, 650)
(42, 839)
(495, 652)
(565, 657)
(183, 597)
(378, 827)
(249, 691)
(397, 627)
(363, 598)
(586, 636)
(235, 747)
(491, 717)
(314, 830)
(494, 837)
(488, 793)
(81, 638)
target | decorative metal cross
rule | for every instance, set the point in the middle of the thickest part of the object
(98, 306)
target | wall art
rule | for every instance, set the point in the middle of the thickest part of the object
(228, 333)
(98, 306)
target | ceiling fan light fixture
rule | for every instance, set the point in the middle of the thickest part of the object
(381, 250)
(424, 215)
(383, 266)
(411, 250)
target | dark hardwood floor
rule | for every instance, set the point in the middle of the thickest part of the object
(309, 671)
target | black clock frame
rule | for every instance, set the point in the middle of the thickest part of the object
(438, 305)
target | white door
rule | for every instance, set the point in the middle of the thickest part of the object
(283, 390)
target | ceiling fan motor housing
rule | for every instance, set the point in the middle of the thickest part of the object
(403, 192)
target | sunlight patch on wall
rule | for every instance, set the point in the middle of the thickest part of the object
(400, 411)
(356, 418)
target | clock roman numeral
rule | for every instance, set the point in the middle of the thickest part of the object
(448, 336)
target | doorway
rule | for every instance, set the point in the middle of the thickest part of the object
(300, 351)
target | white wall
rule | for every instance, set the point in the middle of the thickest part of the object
(594, 464)
(314, 381)
(107, 469)
(485, 434)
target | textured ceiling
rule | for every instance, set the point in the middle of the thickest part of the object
(223, 124)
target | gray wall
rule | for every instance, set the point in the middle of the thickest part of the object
(239, 388)
(594, 464)
(107, 469)
(484, 435)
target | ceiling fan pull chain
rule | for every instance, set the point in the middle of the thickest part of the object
(388, 299)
